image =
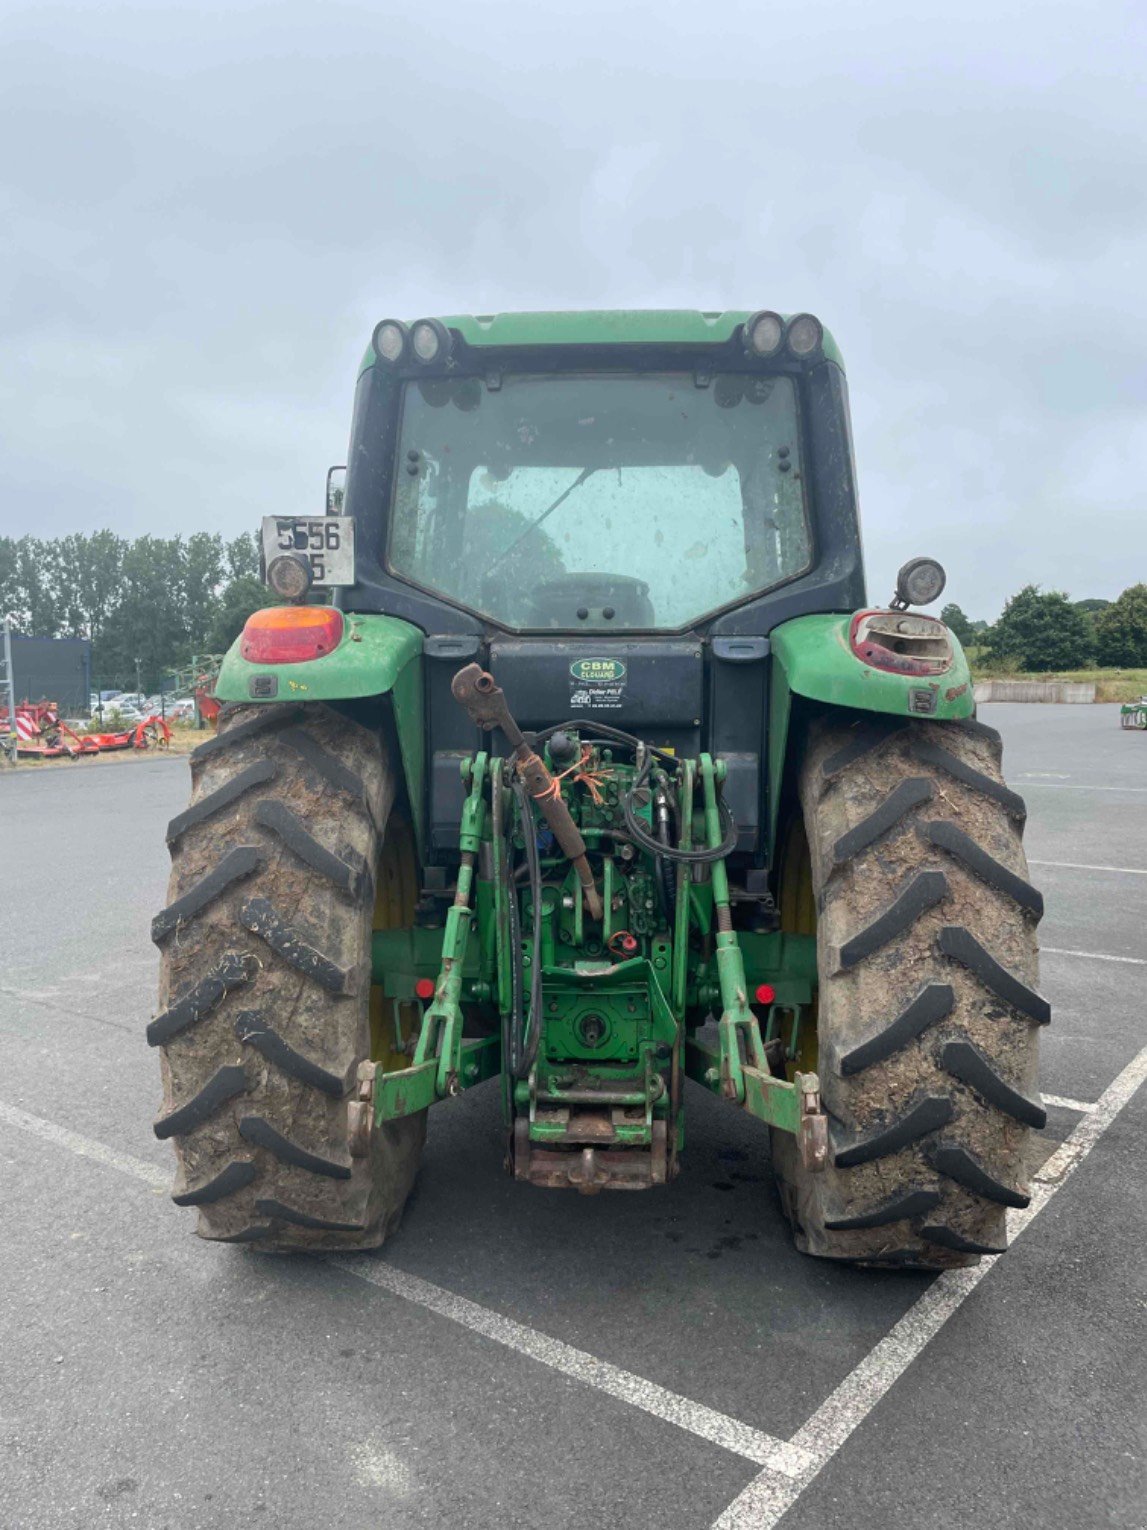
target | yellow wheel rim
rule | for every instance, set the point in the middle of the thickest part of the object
(798, 917)
(393, 1022)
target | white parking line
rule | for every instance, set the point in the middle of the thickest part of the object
(718, 1428)
(767, 1497)
(788, 1466)
(48, 1131)
(1095, 956)
(1123, 871)
(1071, 786)
(1083, 1107)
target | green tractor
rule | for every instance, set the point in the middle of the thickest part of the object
(598, 774)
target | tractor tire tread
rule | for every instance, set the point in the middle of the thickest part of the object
(957, 1163)
(236, 1176)
(928, 1115)
(259, 1132)
(253, 1030)
(265, 720)
(934, 1002)
(279, 1211)
(233, 970)
(330, 769)
(967, 1063)
(901, 1208)
(241, 862)
(928, 1013)
(219, 1088)
(882, 820)
(924, 891)
(968, 775)
(946, 836)
(260, 916)
(265, 974)
(355, 881)
(207, 807)
(963, 947)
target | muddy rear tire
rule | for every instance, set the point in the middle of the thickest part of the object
(265, 986)
(929, 1016)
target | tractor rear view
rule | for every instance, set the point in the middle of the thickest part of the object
(599, 776)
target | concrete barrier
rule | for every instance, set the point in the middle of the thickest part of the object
(1035, 690)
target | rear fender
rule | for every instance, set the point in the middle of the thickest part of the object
(377, 656)
(813, 658)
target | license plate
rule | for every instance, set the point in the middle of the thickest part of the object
(327, 540)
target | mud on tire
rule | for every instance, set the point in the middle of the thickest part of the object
(929, 1016)
(265, 985)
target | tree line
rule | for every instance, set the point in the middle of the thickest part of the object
(1044, 630)
(149, 605)
(152, 604)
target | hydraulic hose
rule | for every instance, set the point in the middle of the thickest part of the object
(690, 857)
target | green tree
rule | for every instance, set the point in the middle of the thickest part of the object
(202, 560)
(90, 573)
(239, 598)
(243, 556)
(1042, 631)
(1121, 630)
(147, 629)
(954, 619)
(8, 578)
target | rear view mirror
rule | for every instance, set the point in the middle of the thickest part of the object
(336, 490)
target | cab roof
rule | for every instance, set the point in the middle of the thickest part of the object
(605, 326)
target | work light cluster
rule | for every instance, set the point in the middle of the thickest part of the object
(426, 340)
(766, 333)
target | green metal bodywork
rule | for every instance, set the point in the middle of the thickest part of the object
(812, 658)
(378, 656)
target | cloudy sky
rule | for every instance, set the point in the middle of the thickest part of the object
(205, 207)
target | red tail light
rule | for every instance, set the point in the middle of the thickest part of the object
(291, 634)
(901, 642)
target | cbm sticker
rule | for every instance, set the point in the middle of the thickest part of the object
(598, 671)
(598, 685)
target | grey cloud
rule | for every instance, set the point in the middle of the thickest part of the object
(206, 209)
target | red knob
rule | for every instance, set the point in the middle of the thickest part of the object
(766, 993)
(424, 988)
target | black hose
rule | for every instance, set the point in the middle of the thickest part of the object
(666, 875)
(615, 735)
(655, 847)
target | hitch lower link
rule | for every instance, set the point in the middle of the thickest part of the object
(738, 1069)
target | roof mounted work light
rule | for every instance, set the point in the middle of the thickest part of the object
(430, 341)
(804, 336)
(764, 333)
(390, 340)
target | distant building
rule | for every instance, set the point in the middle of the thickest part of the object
(54, 669)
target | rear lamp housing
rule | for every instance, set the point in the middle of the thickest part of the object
(390, 340)
(764, 333)
(291, 634)
(804, 336)
(429, 341)
(901, 642)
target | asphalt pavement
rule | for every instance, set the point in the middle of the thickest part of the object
(518, 1357)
